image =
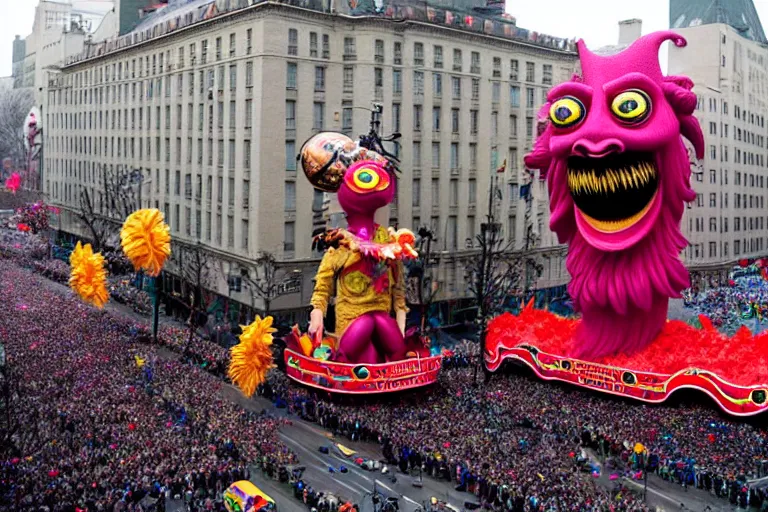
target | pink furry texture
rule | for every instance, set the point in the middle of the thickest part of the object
(623, 295)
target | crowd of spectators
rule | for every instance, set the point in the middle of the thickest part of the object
(743, 301)
(513, 442)
(98, 429)
(514, 439)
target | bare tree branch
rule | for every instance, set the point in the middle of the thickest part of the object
(116, 202)
(261, 279)
(14, 108)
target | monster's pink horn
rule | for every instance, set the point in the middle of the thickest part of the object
(642, 55)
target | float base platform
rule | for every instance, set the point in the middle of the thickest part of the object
(733, 371)
(362, 378)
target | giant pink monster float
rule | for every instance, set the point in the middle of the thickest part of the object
(618, 175)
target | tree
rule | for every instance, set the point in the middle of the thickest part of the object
(494, 274)
(117, 199)
(193, 264)
(261, 280)
(422, 289)
(14, 108)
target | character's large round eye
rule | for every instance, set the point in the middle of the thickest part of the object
(632, 106)
(567, 111)
(366, 179)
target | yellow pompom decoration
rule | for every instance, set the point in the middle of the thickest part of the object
(88, 278)
(146, 240)
(252, 357)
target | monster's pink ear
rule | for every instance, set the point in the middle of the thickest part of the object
(677, 90)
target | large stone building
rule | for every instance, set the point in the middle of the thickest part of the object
(727, 59)
(212, 101)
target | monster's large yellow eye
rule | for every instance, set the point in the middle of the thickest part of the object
(567, 111)
(632, 106)
(366, 179)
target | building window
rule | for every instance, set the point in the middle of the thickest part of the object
(529, 97)
(546, 77)
(437, 85)
(475, 63)
(290, 155)
(398, 53)
(293, 41)
(530, 72)
(436, 155)
(396, 117)
(247, 154)
(326, 46)
(456, 87)
(290, 82)
(289, 236)
(416, 193)
(319, 78)
(346, 118)
(313, 44)
(416, 155)
(290, 115)
(457, 60)
(713, 200)
(290, 196)
(418, 83)
(318, 116)
(417, 118)
(350, 53)
(418, 54)
(454, 156)
(455, 120)
(378, 51)
(349, 78)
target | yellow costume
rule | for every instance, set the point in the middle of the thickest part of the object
(356, 286)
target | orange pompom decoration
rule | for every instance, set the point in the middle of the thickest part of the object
(252, 357)
(146, 240)
(88, 278)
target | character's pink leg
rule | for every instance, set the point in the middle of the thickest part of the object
(388, 338)
(355, 345)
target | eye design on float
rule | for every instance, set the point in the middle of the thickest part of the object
(368, 179)
(631, 107)
(566, 112)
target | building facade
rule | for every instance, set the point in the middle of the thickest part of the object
(214, 115)
(728, 220)
(17, 70)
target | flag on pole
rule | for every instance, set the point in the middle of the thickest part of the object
(503, 167)
(525, 191)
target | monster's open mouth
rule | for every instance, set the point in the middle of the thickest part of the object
(613, 192)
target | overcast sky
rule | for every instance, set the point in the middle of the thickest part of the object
(596, 21)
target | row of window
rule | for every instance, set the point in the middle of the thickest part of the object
(157, 63)
(140, 90)
(741, 200)
(350, 54)
(749, 246)
(746, 223)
